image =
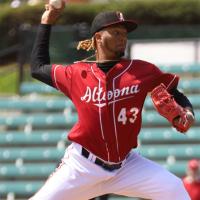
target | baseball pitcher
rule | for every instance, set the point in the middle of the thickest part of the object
(109, 94)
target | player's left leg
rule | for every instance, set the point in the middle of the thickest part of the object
(140, 177)
(77, 178)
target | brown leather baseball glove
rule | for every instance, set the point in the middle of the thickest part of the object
(166, 106)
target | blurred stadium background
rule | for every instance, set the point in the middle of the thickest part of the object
(35, 119)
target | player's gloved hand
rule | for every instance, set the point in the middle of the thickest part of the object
(166, 106)
(184, 121)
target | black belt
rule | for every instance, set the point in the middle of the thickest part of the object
(99, 162)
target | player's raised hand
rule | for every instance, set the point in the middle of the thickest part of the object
(52, 13)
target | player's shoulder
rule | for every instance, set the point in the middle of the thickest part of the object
(141, 63)
(75, 67)
(79, 65)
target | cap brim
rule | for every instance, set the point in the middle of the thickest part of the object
(130, 25)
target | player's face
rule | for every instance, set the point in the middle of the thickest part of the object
(113, 41)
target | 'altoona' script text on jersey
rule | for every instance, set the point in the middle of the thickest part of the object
(100, 96)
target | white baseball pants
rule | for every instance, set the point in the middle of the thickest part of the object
(79, 178)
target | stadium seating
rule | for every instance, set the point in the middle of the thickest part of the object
(181, 68)
(39, 120)
(34, 137)
(35, 104)
(157, 152)
(27, 170)
(31, 153)
(21, 188)
(161, 135)
(35, 87)
(34, 126)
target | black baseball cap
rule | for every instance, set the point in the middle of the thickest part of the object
(109, 18)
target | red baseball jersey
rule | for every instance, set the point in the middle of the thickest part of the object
(109, 106)
(193, 189)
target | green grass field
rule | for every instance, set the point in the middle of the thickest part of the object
(8, 80)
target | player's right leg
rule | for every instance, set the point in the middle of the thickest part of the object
(76, 178)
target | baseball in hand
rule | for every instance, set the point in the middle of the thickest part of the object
(56, 3)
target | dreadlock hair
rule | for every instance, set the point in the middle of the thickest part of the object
(87, 45)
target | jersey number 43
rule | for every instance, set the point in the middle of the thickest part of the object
(126, 115)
